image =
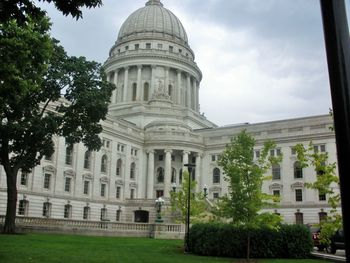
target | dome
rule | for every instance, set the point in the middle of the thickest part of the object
(153, 20)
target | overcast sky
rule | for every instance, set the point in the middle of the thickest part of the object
(261, 60)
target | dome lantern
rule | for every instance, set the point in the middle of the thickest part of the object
(154, 2)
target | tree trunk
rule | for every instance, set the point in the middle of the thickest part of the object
(10, 226)
(248, 248)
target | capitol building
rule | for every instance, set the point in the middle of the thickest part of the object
(154, 126)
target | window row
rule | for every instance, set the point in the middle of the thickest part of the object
(298, 195)
(23, 208)
(159, 46)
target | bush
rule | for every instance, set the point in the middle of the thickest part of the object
(213, 239)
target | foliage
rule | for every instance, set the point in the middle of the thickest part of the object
(325, 183)
(179, 199)
(44, 92)
(20, 9)
(225, 240)
(245, 176)
(53, 248)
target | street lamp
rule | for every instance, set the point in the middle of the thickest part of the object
(173, 185)
(159, 203)
(205, 188)
(187, 233)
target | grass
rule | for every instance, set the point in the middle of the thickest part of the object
(49, 248)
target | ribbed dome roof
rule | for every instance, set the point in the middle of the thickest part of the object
(153, 20)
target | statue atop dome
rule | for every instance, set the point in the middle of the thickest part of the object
(154, 2)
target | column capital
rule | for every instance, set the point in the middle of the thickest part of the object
(139, 66)
(126, 68)
(150, 151)
(168, 151)
(153, 66)
(116, 71)
(186, 152)
(178, 71)
(200, 155)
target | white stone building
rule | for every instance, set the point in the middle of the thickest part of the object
(154, 127)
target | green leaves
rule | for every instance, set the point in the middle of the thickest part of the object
(245, 175)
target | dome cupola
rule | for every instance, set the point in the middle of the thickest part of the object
(153, 21)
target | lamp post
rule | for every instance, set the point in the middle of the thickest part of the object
(187, 233)
(159, 203)
(173, 185)
(205, 189)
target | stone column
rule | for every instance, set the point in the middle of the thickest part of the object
(188, 92)
(115, 91)
(139, 88)
(126, 81)
(167, 175)
(197, 96)
(178, 89)
(185, 155)
(166, 84)
(150, 174)
(153, 80)
(198, 174)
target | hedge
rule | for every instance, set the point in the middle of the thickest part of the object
(224, 240)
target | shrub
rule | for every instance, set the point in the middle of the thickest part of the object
(213, 239)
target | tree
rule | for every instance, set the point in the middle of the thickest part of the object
(245, 176)
(43, 93)
(20, 9)
(179, 201)
(326, 181)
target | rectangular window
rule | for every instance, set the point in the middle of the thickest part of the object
(132, 193)
(293, 151)
(46, 209)
(160, 46)
(86, 187)
(298, 195)
(299, 218)
(148, 45)
(323, 148)
(135, 152)
(137, 46)
(22, 207)
(103, 190)
(67, 184)
(67, 211)
(117, 193)
(180, 51)
(257, 154)
(126, 47)
(173, 158)
(320, 148)
(159, 193)
(171, 48)
(321, 197)
(117, 218)
(272, 152)
(278, 152)
(213, 158)
(122, 148)
(47, 179)
(160, 158)
(132, 151)
(215, 195)
(86, 212)
(277, 194)
(24, 179)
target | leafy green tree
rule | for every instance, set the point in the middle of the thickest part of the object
(43, 93)
(245, 177)
(326, 181)
(20, 9)
(179, 200)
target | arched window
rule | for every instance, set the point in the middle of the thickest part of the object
(216, 176)
(118, 171)
(46, 209)
(298, 170)
(132, 170)
(23, 207)
(87, 160)
(160, 175)
(173, 175)
(104, 164)
(134, 91)
(69, 154)
(67, 211)
(170, 91)
(276, 172)
(145, 91)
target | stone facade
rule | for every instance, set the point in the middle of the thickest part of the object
(154, 127)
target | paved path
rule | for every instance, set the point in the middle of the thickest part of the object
(338, 257)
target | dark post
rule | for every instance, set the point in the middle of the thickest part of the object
(187, 233)
(336, 33)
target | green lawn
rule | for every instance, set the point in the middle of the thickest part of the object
(47, 248)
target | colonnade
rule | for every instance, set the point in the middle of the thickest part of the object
(184, 88)
(151, 173)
